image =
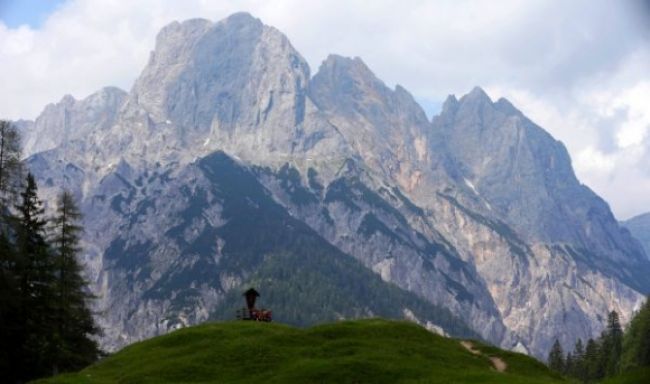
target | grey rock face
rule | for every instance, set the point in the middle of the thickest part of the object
(385, 127)
(236, 85)
(478, 211)
(525, 177)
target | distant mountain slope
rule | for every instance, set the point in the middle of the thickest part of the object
(478, 211)
(366, 351)
(639, 227)
(218, 230)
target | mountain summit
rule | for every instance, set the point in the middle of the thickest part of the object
(227, 165)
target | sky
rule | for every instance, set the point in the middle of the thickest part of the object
(15, 13)
(580, 69)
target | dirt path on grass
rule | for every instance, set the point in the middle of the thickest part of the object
(470, 347)
(497, 362)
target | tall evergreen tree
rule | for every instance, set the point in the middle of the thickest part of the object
(569, 365)
(604, 351)
(75, 325)
(34, 269)
(614, 340)
(556, 357)
(592, 361)
(579, 367)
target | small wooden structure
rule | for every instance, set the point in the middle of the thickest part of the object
(252, 313)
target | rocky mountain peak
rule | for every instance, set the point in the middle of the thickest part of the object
(201, 72)
(505, 106)
(385, 126)
(242, 19)
(169, 33)
(341, 82)
(347, 86)
(525, 176)
(478, 102)
(475, 106)
(476, 95)
(511, 161)
(451, 102)
(447, 113)
(71, 119)
(66, 100)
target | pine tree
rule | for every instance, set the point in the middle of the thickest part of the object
(579, 368)
(614, 340)
(9, 161)
(34, 270)
(569, 364)
(592, 361)
(75, 325)
(556, 357)
(604, 351)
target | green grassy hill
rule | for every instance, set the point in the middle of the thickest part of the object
(636, 376)
(362, 351)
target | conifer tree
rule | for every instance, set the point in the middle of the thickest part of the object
(614, 340)
(579, 370)
(604, 351)
(569, 365)
(592, 361)
(34, 270)
(74, 321)
(556, 357)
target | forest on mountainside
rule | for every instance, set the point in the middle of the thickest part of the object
(615, 353)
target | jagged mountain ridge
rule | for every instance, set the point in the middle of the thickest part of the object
(423, 204)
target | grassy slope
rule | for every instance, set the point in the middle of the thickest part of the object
(638, 376)
(361, 351)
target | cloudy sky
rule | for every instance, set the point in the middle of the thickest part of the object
(580, 69)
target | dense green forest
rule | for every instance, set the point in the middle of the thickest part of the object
(46, 326)
(616, 353)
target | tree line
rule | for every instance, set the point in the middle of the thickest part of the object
(46, 326)
(615, 352)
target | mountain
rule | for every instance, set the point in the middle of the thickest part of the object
(362, 351)
(71, 119)
(228, 164)
(639, 227)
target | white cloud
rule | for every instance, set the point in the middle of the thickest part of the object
(580, 69)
